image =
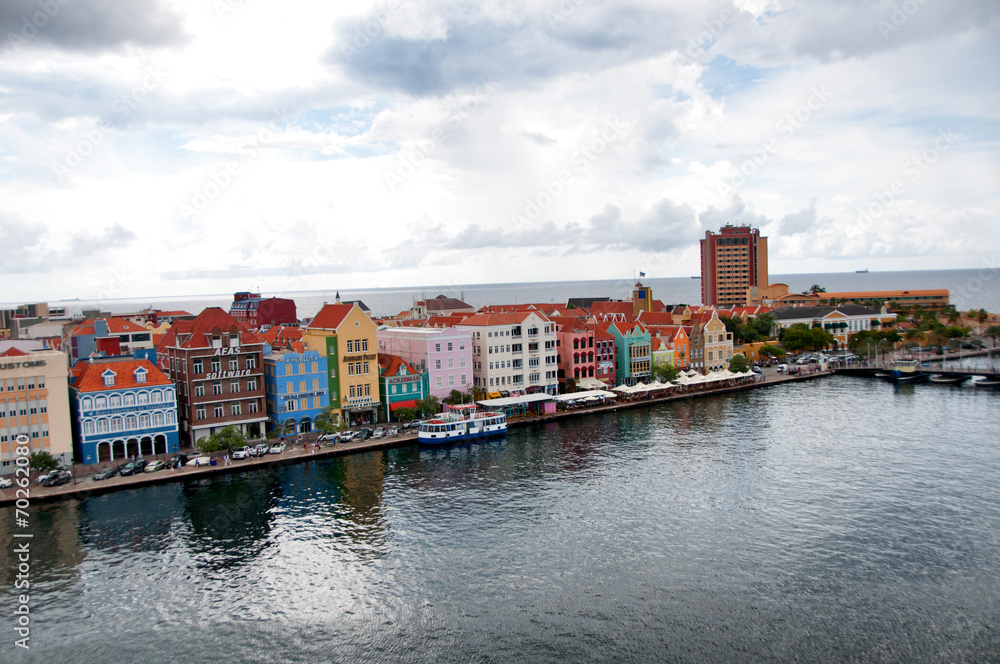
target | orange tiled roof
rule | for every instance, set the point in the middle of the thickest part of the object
(13, 352)
(115, 326)
(197, 333)
(87, 376)
(331, 316)
(511, 318)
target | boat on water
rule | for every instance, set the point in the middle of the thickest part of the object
(865, 271)
(988, 383)
(459, 424)
(941, 379)
(905, 371)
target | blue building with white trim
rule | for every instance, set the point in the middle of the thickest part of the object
(296, 388)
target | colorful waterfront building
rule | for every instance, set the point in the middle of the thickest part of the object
(346, 336)
(632, 341)
(513, 353)
(443, 354)
(605, 356)
(718, 344)
(257, 312)
(732, 261)
(34, 403)
(217, 365)
(107, 336)
(122, 407)
(297, 388)
(577, 352)
(842, 321)
(400, 385)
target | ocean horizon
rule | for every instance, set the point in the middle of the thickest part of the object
(969, 289)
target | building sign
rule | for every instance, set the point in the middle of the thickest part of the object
(229, 351)
(359, 358)
(226, 374)
(23, 365)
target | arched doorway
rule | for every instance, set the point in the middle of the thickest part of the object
(146, 446)
(305, 425)
(103, 451)
(159, 444)
(118, 450)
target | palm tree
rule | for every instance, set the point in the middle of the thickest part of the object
(816, 288)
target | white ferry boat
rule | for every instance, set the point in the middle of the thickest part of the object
(461, 423)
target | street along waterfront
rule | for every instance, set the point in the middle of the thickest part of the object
(835, 520)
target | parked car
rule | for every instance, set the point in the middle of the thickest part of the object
(58, 477)
(177, 461)
(782, 368)
(379, 432)
(200, 461)
(415, 424)
(155, 466)
(133, 467)
(364, 433)
(328, 437)
(6, 483)
(347, 436)
(259, 450)
(277, 448)
(242, 453)
(45, 476)
(107, 473)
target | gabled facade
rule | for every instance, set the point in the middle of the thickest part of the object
(661, 352)
(217, 365)
(718, 344)
(257, 312)
(605, 356)
(122, 407)
(347, 337)
(632, 343)
(842, 321)
(400, 385)
(577, 351)
(513, 352)
(296, 385)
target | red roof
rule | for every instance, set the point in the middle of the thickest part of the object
(115, 326)
(197, 333)
(389, 365)
(512, 318)
(331, 316)
(280, 335)
(656, 318)
(88, 376)
(13, 352)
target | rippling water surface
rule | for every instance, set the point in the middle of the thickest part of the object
(840, 520)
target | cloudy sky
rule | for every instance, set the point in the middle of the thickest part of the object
(159, 147)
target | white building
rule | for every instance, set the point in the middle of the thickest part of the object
(513, 352)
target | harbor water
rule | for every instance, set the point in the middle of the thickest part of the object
(838, 520)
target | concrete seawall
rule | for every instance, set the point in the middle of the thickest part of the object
(87, 487)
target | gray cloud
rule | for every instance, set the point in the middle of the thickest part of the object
(86, 243)
(803, 221)
(89, 25)
(665, 226)
(23, 248)
(736, 212)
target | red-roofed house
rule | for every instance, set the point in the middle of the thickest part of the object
(83, 339)
(218, 367)
(122, 407)
(576, 350)
(256, 312)
(400, 385)
(346, 335)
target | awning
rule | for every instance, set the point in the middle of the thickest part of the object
(412, 403)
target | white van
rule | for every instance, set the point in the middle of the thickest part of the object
(782, 368)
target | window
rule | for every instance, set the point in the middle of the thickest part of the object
(199, 390)
(216, 365)
(252, 407)
(88, 427)
(236, 409)
(200, 413)
(234, 386)
(115, 401)
(437, 364)
(144, 420)
(351, 391)
(109, 378)
(451, 363)
(217, 387)
(197, 366)
(438, 381)
(366, 368)
(234, 365)
(251, 362)
(140, 376)
(449, 345)
(251, 384)
(130, 422)
(102, 426)
(117, 424)
(437, 347)
(364, 345)
(368, 389)
(350, 345)
(218, 413)
(129, 399)
(451, 380)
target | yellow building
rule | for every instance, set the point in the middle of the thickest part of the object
(347, 336)
(34, 403)
(718, 344)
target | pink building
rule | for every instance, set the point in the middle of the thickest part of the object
(576, 350)
(444, 355)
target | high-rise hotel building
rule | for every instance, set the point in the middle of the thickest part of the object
(732, 260)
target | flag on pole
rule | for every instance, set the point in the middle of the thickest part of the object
(642, 274)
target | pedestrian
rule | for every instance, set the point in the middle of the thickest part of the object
(226, 461)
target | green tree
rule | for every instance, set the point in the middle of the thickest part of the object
(328, 420)
(429, 406)
(457, 397)
(406, 414)
(981, 316)
(767, 350)
(993, 331)
(226, 439)
(42, 462)
(739, 363)
(796, 337)
(816, 289)
(665, 372)
(820, 338)
(763, 325)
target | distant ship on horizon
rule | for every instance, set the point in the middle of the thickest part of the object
(865, 271)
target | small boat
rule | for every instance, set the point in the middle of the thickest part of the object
(941, 379)
(883, 374)
(696, 277)
(990, 383)
(460, 424)
(865, 271)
